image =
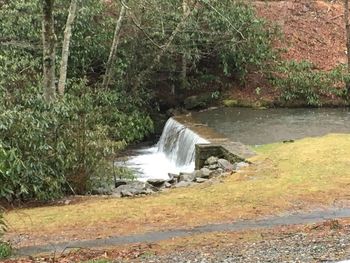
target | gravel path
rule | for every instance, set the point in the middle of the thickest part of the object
(298, 247)
(327, 241)
(289, 219)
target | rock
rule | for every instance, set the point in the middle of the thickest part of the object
(212, 160)
(183, 184)
(117, 194)
(134, 188)
(197, 102)
(240, 165)
(167, 185)
(120, 182)
(100, 191)
(230, 103)
(148, 191)
(156, 182)
(214, 173)
(213, 166)
(201, 180)
(187, 177)
(206, 173)
(225, 165)
(174, 178)
(197, 173)
(125, 193)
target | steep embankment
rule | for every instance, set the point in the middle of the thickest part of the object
(310, 30)
(313, 30)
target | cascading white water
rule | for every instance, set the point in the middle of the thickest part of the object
(178, 143)
(174, 153)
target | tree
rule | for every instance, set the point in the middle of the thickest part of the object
(65, 47)
(143, 75)
(183, 77)
(347, 27)
(113, 52)
(49, 50)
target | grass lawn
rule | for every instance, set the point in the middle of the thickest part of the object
(308, 173)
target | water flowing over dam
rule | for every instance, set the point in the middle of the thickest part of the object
(174, 153)
(228, 128)
(178, 143)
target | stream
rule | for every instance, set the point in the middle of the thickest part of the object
(174, 152)
(257, 127)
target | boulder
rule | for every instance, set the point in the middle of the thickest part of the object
(225, 165)
(230, 103)
(120, 182)
(241, 165)
(196, 102)
(187, 177)
(126, 193)
(183, 184)
(220, 170)
(212, 160)
(200, 180)
(213, 166)
(167, 185)
(173, 178)
(156, 182)
(206, 173)
(197, 173)
(134, 188)
(102, 191)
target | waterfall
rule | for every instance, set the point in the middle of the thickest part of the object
(174, 153)
(178, 143)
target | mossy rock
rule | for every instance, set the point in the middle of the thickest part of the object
(231, 103)
(259, 105)
(197, 101)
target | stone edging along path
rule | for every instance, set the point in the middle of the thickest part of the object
(291, 219)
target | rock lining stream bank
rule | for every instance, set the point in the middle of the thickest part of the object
(213, 169)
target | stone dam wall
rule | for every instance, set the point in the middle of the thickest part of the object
(219, 145)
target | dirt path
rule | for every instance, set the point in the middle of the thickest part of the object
(291, 219)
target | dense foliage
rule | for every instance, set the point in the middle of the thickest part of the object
(5, 248)
(220, 39)
(50, 149)
(300, 81)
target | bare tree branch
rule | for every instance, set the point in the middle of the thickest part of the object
(65, 48)
(224, 17)
(165, 48)
(143, 31)
(49, 50)
(113, 52)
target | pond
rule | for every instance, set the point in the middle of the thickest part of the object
(256, 127)
(174, 152)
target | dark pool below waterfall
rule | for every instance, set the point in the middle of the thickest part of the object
(256, 127)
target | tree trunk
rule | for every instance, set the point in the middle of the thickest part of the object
(143, 75)
(347, 27)
(113, 52)
(49, 41)
(183, 76)
(65, 47)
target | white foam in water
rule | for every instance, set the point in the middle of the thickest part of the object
(173, 153)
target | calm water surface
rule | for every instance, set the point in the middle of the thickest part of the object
(256, 127)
